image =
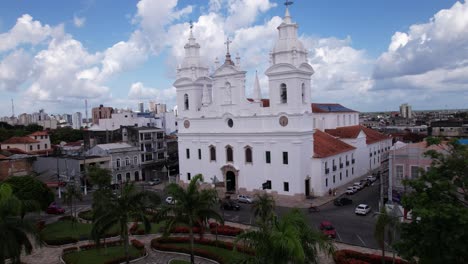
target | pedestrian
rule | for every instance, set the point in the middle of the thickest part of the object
(334, 192)
(329, 192)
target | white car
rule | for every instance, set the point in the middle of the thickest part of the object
(371, 178)
(358, 185)
(244, 199)
(170, 200)
(362, 209)
(351, 190)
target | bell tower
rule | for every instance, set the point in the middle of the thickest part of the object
(289, 72)
(192, 80)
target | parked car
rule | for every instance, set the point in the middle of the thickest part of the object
(342, 201)
(54, 208)
(351, 190)
(359, 185)
(154, 182)
(230, 205)
(371, 178)
(365, 182)
(244, 199)
(362, 209)
(327, 229)
(170, 200)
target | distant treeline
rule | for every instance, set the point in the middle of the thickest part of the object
(66, 134)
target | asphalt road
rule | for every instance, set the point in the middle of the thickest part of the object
(351, 228)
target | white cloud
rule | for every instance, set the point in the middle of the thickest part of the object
(243, 13)
(26, 30)
(139, 92)
(79, 21)
(14, 70)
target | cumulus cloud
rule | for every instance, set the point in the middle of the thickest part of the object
(139, 92)
(14, 70)
(25, 31)
(243, 13)
(79, 21)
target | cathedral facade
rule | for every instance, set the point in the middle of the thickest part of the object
(284, 143)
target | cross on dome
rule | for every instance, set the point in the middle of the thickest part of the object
(288, 3)
(227, 44)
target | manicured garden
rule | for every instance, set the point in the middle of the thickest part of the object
(67, 231)
(91, 255)
(353, 257)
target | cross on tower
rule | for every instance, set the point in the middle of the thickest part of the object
(191, 24)
(288, 3)
(227, 44)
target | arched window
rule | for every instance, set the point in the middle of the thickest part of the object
(186, 102)
(283, 93)
(117, 163)
(135, 160)
(248, 154)
(303, 93)
(127, 161)
(119, 177)
(212, 153)
(137, 176)
(127, 177)
(229, 154)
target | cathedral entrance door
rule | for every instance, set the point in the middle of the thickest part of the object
(307, 187)
(230, 181)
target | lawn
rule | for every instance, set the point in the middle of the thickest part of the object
(64, 230)
(225, 254)
(154, 227)
(94, 256)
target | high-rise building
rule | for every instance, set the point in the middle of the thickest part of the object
(152, 106)
(405, 110)
(77, 119)
(101, 112)
(141, 107)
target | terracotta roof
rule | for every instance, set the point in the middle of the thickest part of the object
(20, 140)
(3, 157)
(329, 108)
(39, 133)
(16, 151)
(345, 132)
(372, 136)
(326, 145)
(265, 102)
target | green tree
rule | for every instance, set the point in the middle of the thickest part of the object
(192, 206)
(121, 209)
(438, 200)
(15, 233)
(33, 194)
(385, 229)
(66, 134)
(288, 240)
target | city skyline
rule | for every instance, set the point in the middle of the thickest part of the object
(369, 56)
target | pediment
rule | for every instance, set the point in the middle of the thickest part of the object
(226, 69)
(182, 82)
(306, 67)
(287, 67)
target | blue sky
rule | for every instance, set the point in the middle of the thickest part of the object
(368, 55)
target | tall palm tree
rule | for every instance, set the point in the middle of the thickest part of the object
(385, 228)
(121, 209)
(192, 206)
(15, 233)
(264, 209)
(288, 240)
(70, 196)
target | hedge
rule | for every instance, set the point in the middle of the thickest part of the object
(221, 244)
(346, 256)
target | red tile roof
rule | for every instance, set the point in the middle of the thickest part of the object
(3, 157)
(326, 145)
(20, 140)
(265, 102)
(372, 136)
(330, 108)
(16, 151)
(39, 133)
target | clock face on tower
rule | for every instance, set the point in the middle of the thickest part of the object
(186, 124)
(283, 120)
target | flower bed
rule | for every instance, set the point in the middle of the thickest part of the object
(353, 257)
(111, 255)
(155, 243)
(225, 230)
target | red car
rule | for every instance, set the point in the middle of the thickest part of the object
(55, 209)
(327, 229)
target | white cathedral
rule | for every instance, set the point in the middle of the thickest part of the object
(293, 147)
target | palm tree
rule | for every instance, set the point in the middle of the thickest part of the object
(72, 194)
(119, 210)
(15, 233)
(385, 227)
(264, 209)
(192, 206)
(289, 239)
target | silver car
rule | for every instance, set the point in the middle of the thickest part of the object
(244, 199)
